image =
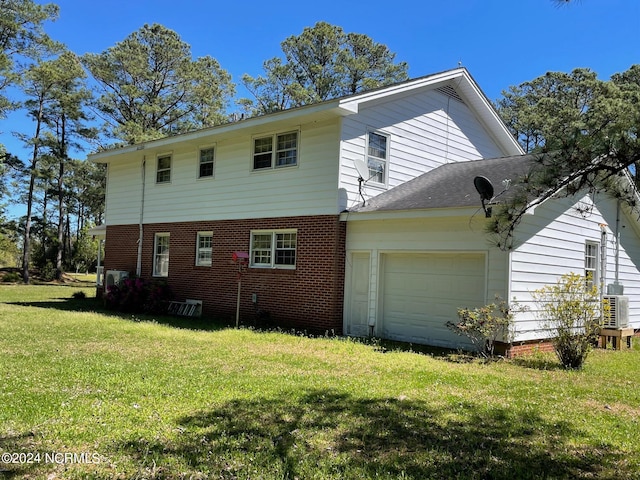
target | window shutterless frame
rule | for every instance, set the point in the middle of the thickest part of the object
(275, 150)
(592, 263)
(273, 248)
(206, 161)
(161, 255)
(204, 249)
(378, 156)
(163, 168)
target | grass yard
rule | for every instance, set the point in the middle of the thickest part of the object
(84, 394)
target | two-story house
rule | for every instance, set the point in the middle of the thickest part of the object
(296, 190)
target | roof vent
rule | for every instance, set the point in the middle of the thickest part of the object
(449, 91)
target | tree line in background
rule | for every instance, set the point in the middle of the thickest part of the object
(148, 86)
(145, 87)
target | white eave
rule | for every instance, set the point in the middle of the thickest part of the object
(328, 109)
(408, 214)
(458, 78)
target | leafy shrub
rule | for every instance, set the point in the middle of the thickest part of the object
(485, 325)
(137, 295)
(12, 277)
(571, 311)
(48, 272)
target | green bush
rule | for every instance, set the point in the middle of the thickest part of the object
(12, 277)
(137, 295)
(48, 272)
(484, 326)
(79, 295)
(571, 310)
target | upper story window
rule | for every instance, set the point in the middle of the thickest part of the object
(161, 255)
(278, 150)
(592, 263)
(207, 156)
(163, 170)
(204, 249)
(273, 248)
(377, 155)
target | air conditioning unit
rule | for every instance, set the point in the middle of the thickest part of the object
(618, 311)
(115, 277)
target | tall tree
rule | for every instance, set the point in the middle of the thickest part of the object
(543, 112)
(37, 86)
(66, 120)
(321, 63)
(149, 86)
(86, 190)
(54, 103)
(21, 35)
(583, 131)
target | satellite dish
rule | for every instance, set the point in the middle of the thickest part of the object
(485, 189)
(364, 175)
(362, 168)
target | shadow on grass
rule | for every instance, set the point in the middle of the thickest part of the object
(536, 362)
(96, 306)
(326, 434)
(14, 444)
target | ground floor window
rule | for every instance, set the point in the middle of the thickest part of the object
(204, 244)
(591, 263)
(273, 248)
(161, 255)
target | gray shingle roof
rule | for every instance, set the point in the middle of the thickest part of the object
(451, 185)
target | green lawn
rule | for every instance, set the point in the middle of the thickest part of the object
(136, 398)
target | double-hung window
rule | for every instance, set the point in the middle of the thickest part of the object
(592, 263)
(204, 249)
(163, 169)
(273, 248)
(273, 151)
(207, 156)
(161, 255)
(377, 155)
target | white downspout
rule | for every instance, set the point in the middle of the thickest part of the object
(140, 228)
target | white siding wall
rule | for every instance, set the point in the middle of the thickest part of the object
(236, 192)
(123, 193)
(426, 130)
(555, 245)
(422, 235)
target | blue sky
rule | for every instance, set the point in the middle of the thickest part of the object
(500, 42)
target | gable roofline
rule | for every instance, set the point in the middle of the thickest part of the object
(458, 78)
(464, 84)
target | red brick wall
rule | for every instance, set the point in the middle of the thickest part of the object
(309, 297)
(518, 349)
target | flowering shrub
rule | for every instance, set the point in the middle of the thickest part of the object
(571, 310)
(485, 325)
(137, 295)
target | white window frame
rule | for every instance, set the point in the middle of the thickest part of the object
(164, 169)
(200, 261)
(373, 160)
(276, 150)
(161, 257)
(592, 263)
(212, 162)
(266, 255)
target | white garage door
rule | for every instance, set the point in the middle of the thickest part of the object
(422, 292)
